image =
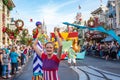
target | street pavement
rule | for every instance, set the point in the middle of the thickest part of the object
(91, 68)
(94, 68)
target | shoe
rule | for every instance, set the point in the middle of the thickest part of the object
(114, 59)
(71, 66)
(19, 68)
(75, 67)
(9, 76)
(4, 77)
(17, 72)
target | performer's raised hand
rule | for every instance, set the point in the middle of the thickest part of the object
(59, 43)
(35, 45)
(56, 31)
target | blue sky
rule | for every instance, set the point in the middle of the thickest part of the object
(53, 12)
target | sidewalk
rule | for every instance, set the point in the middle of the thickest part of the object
(23, 68)
(18, 72)
(109, 59)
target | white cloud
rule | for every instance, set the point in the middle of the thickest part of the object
(52, 17)
(50, 13)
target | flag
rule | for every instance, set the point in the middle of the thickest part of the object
(79, 7)
(37, 62)
(31, 20)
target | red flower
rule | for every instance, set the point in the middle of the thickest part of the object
(4, 29)
(11, 37)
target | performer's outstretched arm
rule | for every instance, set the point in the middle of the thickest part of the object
(37, 50)
(59, 44)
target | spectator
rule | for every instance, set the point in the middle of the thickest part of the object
(6, 49)
(14, 60)
(4, 61)
(25, 51)
(114, 51)
(118, 53)
(1, 52)
(22, 56)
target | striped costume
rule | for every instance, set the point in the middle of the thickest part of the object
(50, 67)
(37, 62)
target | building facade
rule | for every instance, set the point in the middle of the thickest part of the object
(117, 2)
(111, 14)
(100, 14)
(5, 7)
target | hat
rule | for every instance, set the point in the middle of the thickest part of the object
(38, 23)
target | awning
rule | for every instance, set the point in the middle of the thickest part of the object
(107, 39)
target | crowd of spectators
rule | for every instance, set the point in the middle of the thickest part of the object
(106, 50)
(12, 59)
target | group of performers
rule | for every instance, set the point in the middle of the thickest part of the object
(50, 61)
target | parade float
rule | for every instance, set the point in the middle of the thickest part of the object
(43, 37)
(68, 39)
(37, 61)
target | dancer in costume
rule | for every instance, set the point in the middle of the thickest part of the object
(71, 56)
(50, 60)
(37, 61)
(38, 29)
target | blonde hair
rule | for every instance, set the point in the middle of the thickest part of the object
(13, 49)
(49, 43)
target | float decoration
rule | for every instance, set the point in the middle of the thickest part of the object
(91, 23)
(13, 33)
(29, 41)
(76, 46)
(19, 24)
(25, 31)
(69, 36)
(35, 32)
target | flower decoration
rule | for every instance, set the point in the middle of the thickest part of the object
(19, 24)
(91, 23)
(13, 33)
(35, 32)
(4, 29)
(25, 31)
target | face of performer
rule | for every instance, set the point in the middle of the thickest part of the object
(49, 48)
(39, 26)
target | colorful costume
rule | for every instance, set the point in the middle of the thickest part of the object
(71, 55)
(50, 67)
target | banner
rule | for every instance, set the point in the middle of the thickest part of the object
(98, 28)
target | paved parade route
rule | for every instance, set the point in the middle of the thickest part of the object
(84, 70)
(92, 73)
